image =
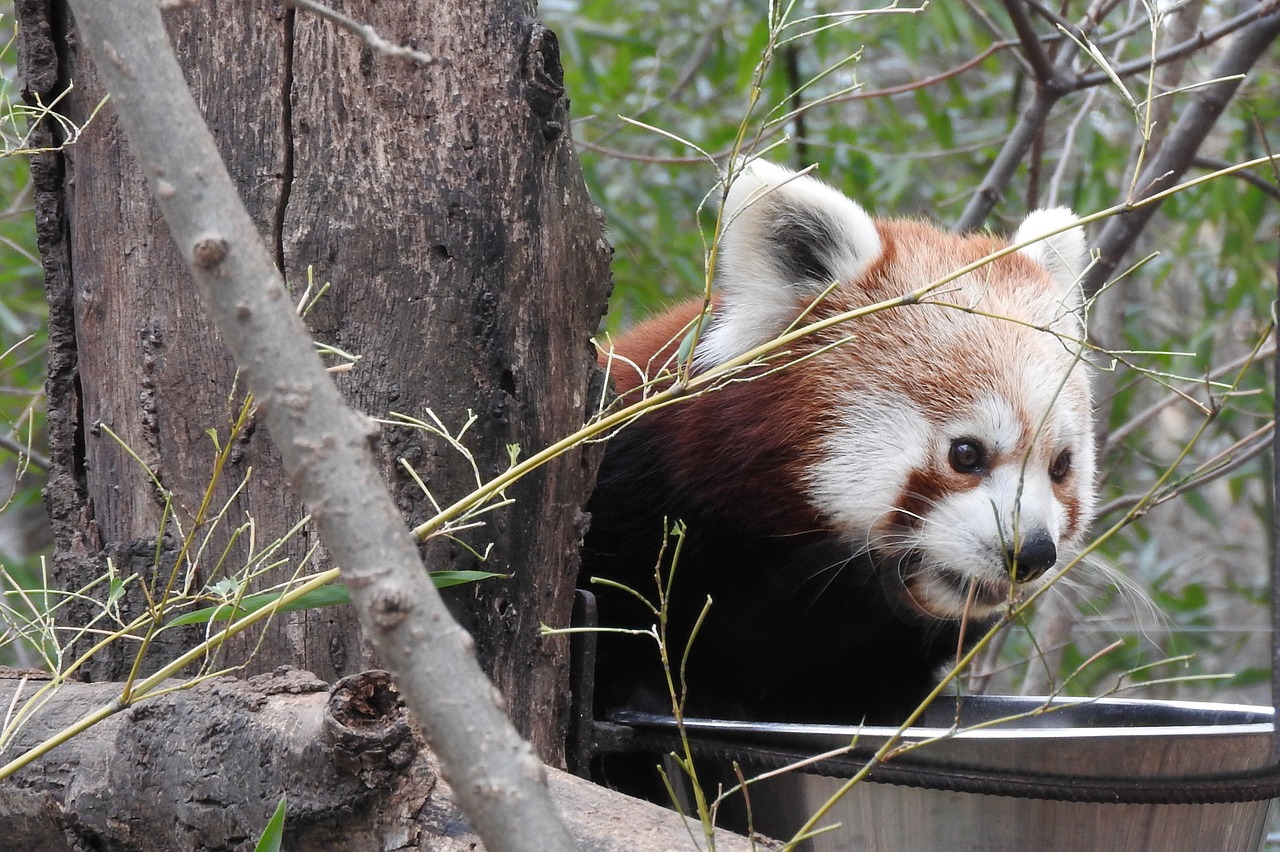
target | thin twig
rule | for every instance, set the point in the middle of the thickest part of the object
(365, 32)
(711, 36)
(1262, 443)
(1055, 19)
(1068, 142)
(1258, 181)
(1185, 48)
(1029, 126)
(1140, 419)
(1176, 155)
(1006, 164)
(29, 456)
(1042, 69)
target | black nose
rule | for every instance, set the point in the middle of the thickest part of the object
(1036, 555)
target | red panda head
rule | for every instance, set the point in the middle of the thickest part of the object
(951, 438)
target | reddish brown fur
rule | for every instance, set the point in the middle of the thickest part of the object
(733, 450)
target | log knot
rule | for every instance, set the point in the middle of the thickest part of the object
(367, 727)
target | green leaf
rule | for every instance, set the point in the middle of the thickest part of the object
(115, 590)
(273, 834)
(445, 579)
(335, 595)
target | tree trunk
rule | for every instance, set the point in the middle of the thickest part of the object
(442, 202)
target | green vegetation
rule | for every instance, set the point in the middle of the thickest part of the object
(23, 321)
(906, 111)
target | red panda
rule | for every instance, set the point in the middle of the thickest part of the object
(910, 469)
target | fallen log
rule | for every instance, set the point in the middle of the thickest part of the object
(203, 768)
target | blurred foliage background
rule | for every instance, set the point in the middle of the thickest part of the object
(24, 534)
(906, 111)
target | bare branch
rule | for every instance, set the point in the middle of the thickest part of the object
(688, 72)
(25, 453)
(1041, 67)
(1182, 49)
(1031, 121)
(366, 33)
(1179, 150)
(1213, 165)
(324, 444)
(1024, 133)
(1182, 393)
(1227, 462)
(1055, 19)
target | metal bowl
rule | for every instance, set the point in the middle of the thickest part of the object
(1082, 755)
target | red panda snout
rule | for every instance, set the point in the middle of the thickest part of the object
(1032, 557)
(959, 515)
(970, 550)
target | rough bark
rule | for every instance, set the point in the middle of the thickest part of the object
(444, 206)
(356, 774)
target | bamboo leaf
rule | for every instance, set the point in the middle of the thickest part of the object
(273, 834)
(335, 595)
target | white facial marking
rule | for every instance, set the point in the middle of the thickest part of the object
(962, 536)
(992, 421)
(879, 440)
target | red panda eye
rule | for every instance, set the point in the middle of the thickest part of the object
(967, 456)
(1061, 466)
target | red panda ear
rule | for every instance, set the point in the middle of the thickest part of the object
(1064, 254)
(785, 237)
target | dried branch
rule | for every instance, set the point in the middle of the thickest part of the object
(1032, 49)
(324, 444)
(1179, 150)
(365, 32)
(1179, 51)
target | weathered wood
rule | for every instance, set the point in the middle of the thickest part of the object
(444, 205)
(480, 270)
(204, 768)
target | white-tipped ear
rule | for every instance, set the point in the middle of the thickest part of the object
(1064, 254)
(785, 239)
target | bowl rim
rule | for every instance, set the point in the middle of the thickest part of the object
(1254, 719)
